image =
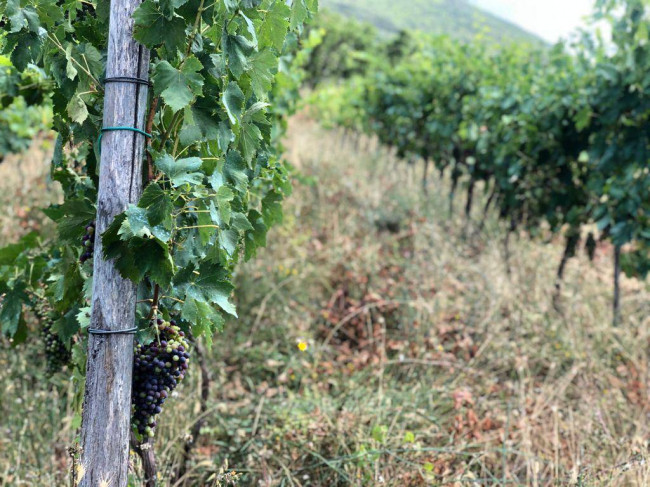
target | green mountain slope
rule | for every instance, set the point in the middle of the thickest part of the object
(454, 17)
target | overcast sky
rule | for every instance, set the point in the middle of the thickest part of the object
(550, 19)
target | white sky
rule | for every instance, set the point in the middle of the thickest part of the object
(550, 19)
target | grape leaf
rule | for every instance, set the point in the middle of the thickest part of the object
(256, 237)
(178, 87)
(233, 100)
(158, 204)
(250, 137)
(153, 28)
(12, 308)
(77, 110)
(21, 18)
(180, 171)
(264, 66)
(299, 13)
(167, 7)
(204, 318)
(237, 50)
(212, 286)
(274, 26)
(234, 171)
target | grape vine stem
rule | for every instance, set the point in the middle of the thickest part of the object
(154, 302)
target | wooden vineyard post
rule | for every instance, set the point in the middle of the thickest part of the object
(616, 305)
(105, 428)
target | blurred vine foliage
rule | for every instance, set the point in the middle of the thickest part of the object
(345, 48)
(558, 137)
(24, 110)
(619, 120)
(223, 83)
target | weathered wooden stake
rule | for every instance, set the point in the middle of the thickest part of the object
(571, 243)
(107, 402)
(425, 176)
(616, 305)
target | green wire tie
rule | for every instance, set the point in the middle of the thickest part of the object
(129, 331)
(113, 129)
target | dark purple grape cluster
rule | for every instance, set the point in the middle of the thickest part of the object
(88, 243)
(56, 353)
(86, 10)
(158, 368)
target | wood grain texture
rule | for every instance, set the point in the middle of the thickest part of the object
(107, 401)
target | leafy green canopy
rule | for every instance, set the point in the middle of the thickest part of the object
(24, 112)
(215, 183)
(343, 51)
(557, 138)
(619, 120)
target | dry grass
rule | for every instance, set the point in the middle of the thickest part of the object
(427, 364)
(24, 187)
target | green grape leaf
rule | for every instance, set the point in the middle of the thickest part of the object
(233, 101)
(228, 240)
(199, 125)
(27, 48)
(67, 325)
(224, 197)
(205, 222)
(237, 50)
(275, 25)
(250, 27)
(67, 286)
(299, 13)
(250, 137)
(231, 5)
(272, 208)
(225, 137)
(21, 18)
(234, 171)
(212, 286)
(10, 253)
(138, 257)
(136, 224)
(204, 318)
(12, 308)
(73, 216)
(264, 66)
(77, 110)
(178, 87)
(240, 223)
(158, 204)
(153, 28)
(167, 7)
(256, 237)
(180, 171)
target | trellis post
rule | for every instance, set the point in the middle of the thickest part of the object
(107, 402)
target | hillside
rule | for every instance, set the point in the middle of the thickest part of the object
(454, 17)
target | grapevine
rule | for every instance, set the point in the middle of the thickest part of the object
(88, 242)
(57, 354)
(215, 179)
(557, 137)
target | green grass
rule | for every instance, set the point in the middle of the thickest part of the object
(456, 18)
(426, 363)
